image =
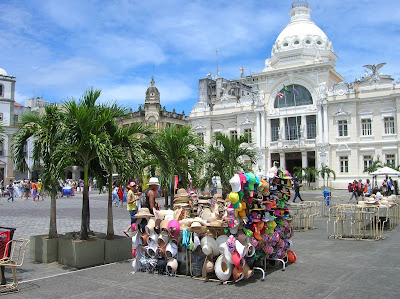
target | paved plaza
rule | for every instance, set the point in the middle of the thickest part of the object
(325, 268)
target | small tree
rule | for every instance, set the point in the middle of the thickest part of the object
(309, 174)
(326, 172)
(373, 166)
(45, 131)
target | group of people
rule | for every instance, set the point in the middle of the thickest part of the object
(136, 200)
(387, 187)
(359, 189)
(25, 188)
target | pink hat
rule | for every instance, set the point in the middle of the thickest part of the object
(173, 227)
(132, 184)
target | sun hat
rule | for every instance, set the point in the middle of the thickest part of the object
(153, 238)
(241, 249)
(173, 228)
(209, 246)
(153, 181)
(221, 239)
(196, 241)
(171, 250)
(223, 269)
(131, 184)
(247, 272)
(233, 197)
(149, 228)
(237, 274)
(197, 227)
(164, 227)
(238, 261)
(209, 266)
(224, 249)
(162, 240)
(135, 239)
(172, 265)
(203, 201)
(235, 183)
(143, 213)
(160, 253)
(157, 225)
(152, 250)
(143, 239)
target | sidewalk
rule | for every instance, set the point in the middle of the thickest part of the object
(326, 268)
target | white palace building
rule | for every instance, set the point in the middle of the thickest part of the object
(300, 112)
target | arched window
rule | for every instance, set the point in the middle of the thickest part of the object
(293, 95)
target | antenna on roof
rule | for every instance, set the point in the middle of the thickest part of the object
(216, 75)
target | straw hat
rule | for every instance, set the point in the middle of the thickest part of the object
(143, 213)
(205, 195)
(181, 193)
(197, 227)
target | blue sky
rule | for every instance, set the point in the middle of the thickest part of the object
(57, 49)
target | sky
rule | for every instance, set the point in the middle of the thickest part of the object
(57, 49)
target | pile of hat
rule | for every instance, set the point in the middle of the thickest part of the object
(182, 200)
(229, 235)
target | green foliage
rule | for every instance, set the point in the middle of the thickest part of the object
(326, 172)
(310, 173)
(224, 158)
(46, 132)
(374, 166)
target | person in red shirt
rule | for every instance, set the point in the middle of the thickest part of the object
(356, 189)
(121, 195)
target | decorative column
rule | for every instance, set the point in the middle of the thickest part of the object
(326, 130)
(304, 125)
(282, 160)
(258, 136)
(319, 120)
(263, 136)
(282, 128)
(304, 159)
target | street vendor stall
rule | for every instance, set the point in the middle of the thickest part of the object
(226, 240)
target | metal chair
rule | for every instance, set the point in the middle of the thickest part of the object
(13, 257)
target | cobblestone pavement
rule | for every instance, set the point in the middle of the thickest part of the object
(326, 268)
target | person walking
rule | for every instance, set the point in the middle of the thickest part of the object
(121, 195)
(355, 191)
(34, 190)
(297, 184)
(115, 195)
(27, 189)
(131, 206)
(10, 188)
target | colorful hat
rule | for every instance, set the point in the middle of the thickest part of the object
(235, 183)
(238, 261)
(237, 274)
(251, 180)
(173, 228)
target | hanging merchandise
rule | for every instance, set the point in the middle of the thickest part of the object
(211, 238)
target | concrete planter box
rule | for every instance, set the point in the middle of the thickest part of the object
(43, 249)
(117, 249)
(81, 254)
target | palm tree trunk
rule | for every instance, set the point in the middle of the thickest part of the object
(110, 218)
(53, 219)
(85, 205)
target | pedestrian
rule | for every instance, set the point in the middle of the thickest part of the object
(34, 190)
(151, 195)
(296, 186)
(115, 194)
(390, 187)
(384, 187)
(40, 189)
(22, 185)
(367, 189)
(10, 188)
(131, 206)
(27, 189)
(121, 195)
(355, 191)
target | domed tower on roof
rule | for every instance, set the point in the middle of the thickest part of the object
(152, 94)
(301, 42)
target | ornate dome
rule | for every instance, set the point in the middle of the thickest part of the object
(3, 72)
(301, 34)
(152, 94)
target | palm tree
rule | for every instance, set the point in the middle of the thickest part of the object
(177, 150)
(373, 166)
(309, 174)
(45, 131)
(298, 172)
(86, 139)
(326, 172)
(224, 158)
(126, 160)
